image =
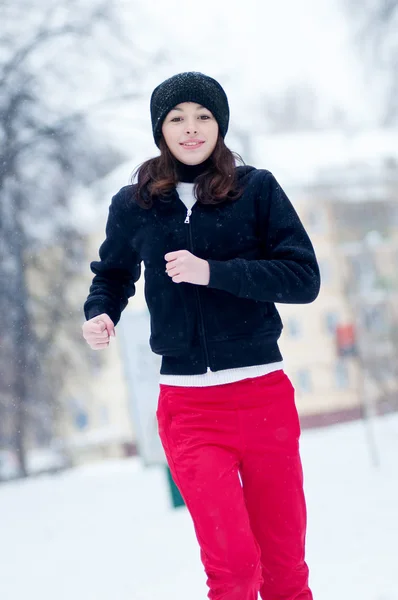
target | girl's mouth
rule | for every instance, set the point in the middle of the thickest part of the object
(191, 145)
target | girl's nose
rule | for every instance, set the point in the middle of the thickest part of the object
(191, 128)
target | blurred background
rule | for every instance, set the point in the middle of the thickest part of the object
(87, 506)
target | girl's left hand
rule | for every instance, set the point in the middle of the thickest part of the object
(182, 266)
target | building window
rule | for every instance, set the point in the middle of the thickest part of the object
(304, 381)
(104, 415)
(316, 220)
(293, 327)
(331, 322)
(96, 362)
(78, 413)
(376, 320)
(342, 377)
(326, 271)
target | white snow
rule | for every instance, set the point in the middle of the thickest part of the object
(108, 532)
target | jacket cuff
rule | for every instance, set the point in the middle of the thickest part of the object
(225, 275)
(99, 309)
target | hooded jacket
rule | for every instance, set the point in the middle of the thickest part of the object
(258, 252)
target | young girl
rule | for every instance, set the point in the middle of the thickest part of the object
(220, 244)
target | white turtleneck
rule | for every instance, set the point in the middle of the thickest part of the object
(186, 194)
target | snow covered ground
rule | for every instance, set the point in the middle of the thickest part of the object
(108, 532)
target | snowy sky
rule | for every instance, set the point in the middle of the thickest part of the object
(261, 46)
(255, 49)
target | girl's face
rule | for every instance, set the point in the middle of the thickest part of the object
(190, 132)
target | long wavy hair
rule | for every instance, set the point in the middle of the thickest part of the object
(158, 176)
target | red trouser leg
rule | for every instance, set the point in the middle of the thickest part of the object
(198, 433)
(273, 487)
(209, 435)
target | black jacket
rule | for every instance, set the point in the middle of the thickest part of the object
(258, 252)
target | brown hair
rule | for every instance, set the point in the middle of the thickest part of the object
(158, 176)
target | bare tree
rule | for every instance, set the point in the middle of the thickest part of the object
(52, 57)
(293, 110)
(298, 108)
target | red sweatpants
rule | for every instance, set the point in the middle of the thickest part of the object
(251, 529)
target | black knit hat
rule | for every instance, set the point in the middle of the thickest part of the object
(189, 87)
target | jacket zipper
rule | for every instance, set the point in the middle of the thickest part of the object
(201, 319)
(189, 213)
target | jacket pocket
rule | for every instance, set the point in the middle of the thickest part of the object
(230, 317)
(171, 328)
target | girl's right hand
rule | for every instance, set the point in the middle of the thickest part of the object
(97, 331)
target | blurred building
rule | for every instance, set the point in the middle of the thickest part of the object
(97, 422)
(326, 384)
(341, 350)
(358, 296)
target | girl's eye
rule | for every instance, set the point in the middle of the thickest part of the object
(201, 117)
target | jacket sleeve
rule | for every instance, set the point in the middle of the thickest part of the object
(289, 273)
(117, 271)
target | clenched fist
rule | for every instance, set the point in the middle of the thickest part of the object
(183, 266)
(97, 331)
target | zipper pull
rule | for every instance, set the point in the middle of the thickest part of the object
(189, 213)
